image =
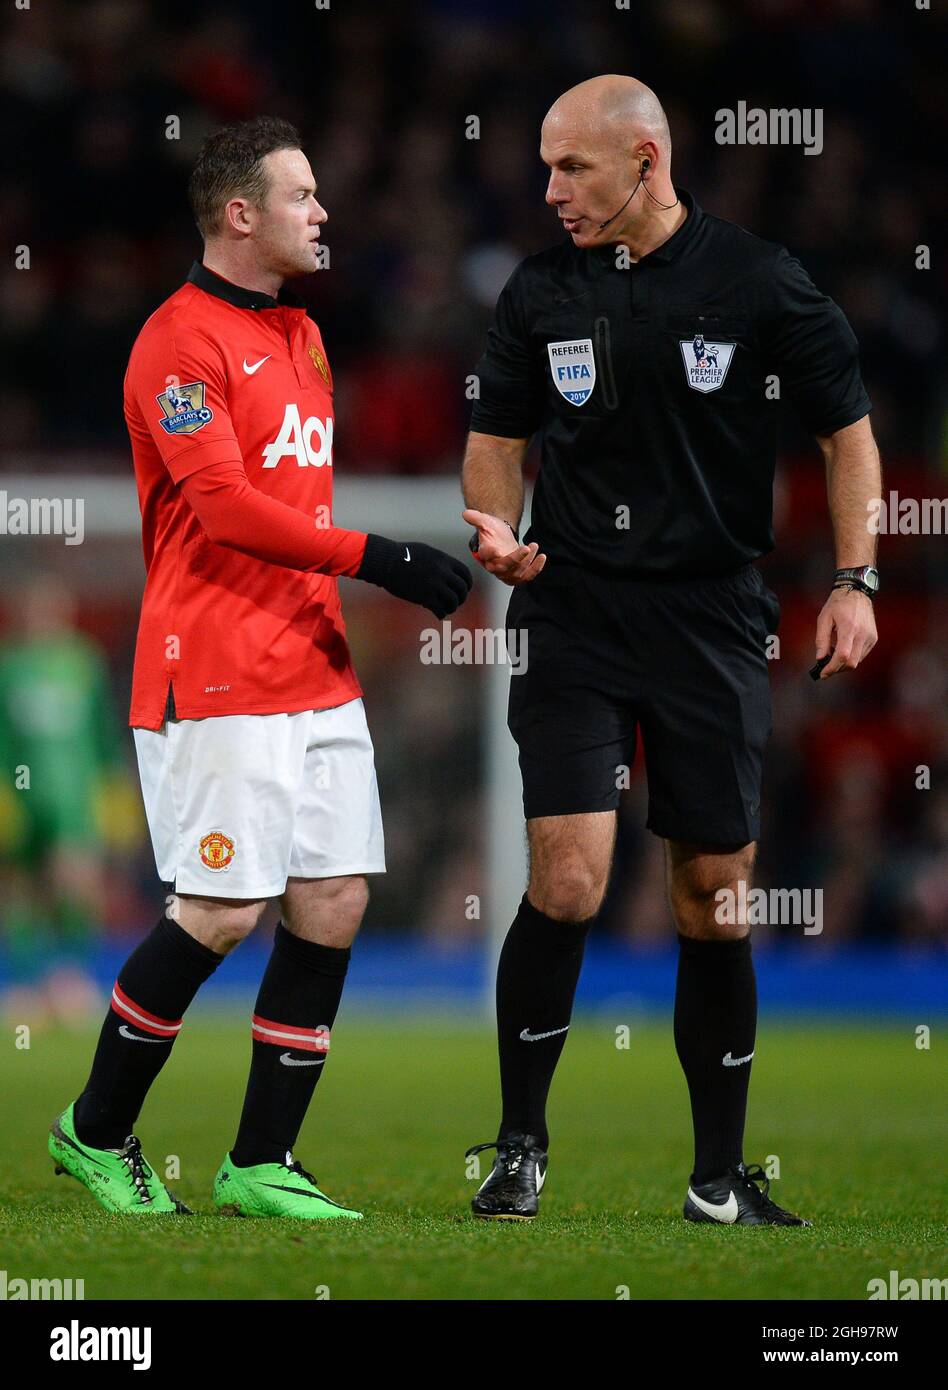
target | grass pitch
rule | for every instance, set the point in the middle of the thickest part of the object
(856, 1117)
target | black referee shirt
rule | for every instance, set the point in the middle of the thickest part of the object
(650, 387)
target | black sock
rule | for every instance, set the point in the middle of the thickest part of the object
(154, 988)
(715, 1027)
(295, 1010)
(536, 981)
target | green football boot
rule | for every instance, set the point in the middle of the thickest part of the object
(275, 1189)
(119, 1179)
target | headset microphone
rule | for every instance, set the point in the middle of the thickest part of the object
(603, 225)
(647, 164)
(643, 169)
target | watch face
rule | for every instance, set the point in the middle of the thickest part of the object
(864, 574)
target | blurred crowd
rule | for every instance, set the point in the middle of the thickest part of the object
(425, 225)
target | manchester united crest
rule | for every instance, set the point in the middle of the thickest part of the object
(319, 362)
(216, 850)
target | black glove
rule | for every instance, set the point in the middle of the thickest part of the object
(416, 572)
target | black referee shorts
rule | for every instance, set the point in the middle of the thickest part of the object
(683, 661)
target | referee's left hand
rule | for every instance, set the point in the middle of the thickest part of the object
(511, 563)
(847, 628)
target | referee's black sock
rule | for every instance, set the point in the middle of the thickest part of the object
(295, 1010)
(536, 981)
(154, 988)
(715, 1027)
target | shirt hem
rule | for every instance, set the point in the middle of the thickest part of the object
(840, 420)
(503, 430)
(137, 719)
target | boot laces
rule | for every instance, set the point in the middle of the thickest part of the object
(754, 1174)
(509, 1154)
(297, 1168)
(139, 1171)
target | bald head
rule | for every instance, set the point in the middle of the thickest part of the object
(603, 141)
(620, 110)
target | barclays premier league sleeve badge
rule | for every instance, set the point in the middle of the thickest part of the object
(706, 363)
(184, 409)
(574, 369)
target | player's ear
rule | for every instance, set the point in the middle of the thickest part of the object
(238, 216)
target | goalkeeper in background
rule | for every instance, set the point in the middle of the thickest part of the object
(63, 774)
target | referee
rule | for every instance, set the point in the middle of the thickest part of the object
(648, 348)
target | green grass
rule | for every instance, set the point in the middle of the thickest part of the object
(856, 1117)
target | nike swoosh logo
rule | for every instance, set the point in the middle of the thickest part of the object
(527, 1036)
(539, 1177)
(257, 365)
(289, 1061)
(730, 1061)
(719, 1211)
(568, 299)
(407, 553)
(137, 1037)
(302, 1192)
(61, 1135)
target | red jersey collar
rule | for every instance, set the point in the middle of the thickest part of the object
(215, 284)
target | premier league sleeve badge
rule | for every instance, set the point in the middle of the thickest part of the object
(184, 409)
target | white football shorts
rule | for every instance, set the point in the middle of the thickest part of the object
(238, 803)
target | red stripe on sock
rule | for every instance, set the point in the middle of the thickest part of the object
(134, 1013)
(289, 1035)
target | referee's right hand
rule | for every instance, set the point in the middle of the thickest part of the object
(516, 564)
(417, 572)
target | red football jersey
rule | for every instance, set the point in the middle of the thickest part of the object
(224, 375)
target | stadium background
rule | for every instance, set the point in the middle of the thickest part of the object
(424, 227)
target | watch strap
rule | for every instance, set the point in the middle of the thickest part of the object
(858, 577)
(855, 584)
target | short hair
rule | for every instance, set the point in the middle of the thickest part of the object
(230, 165)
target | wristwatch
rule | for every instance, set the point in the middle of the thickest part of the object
(865, 578)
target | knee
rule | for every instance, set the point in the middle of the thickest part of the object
(233, 926)
(329, 910)
(570, 892)
(219, 925)
(702, 900)
(347, 900)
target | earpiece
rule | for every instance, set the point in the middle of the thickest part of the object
(643, 170)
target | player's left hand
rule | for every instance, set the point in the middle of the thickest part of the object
(847, 628)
